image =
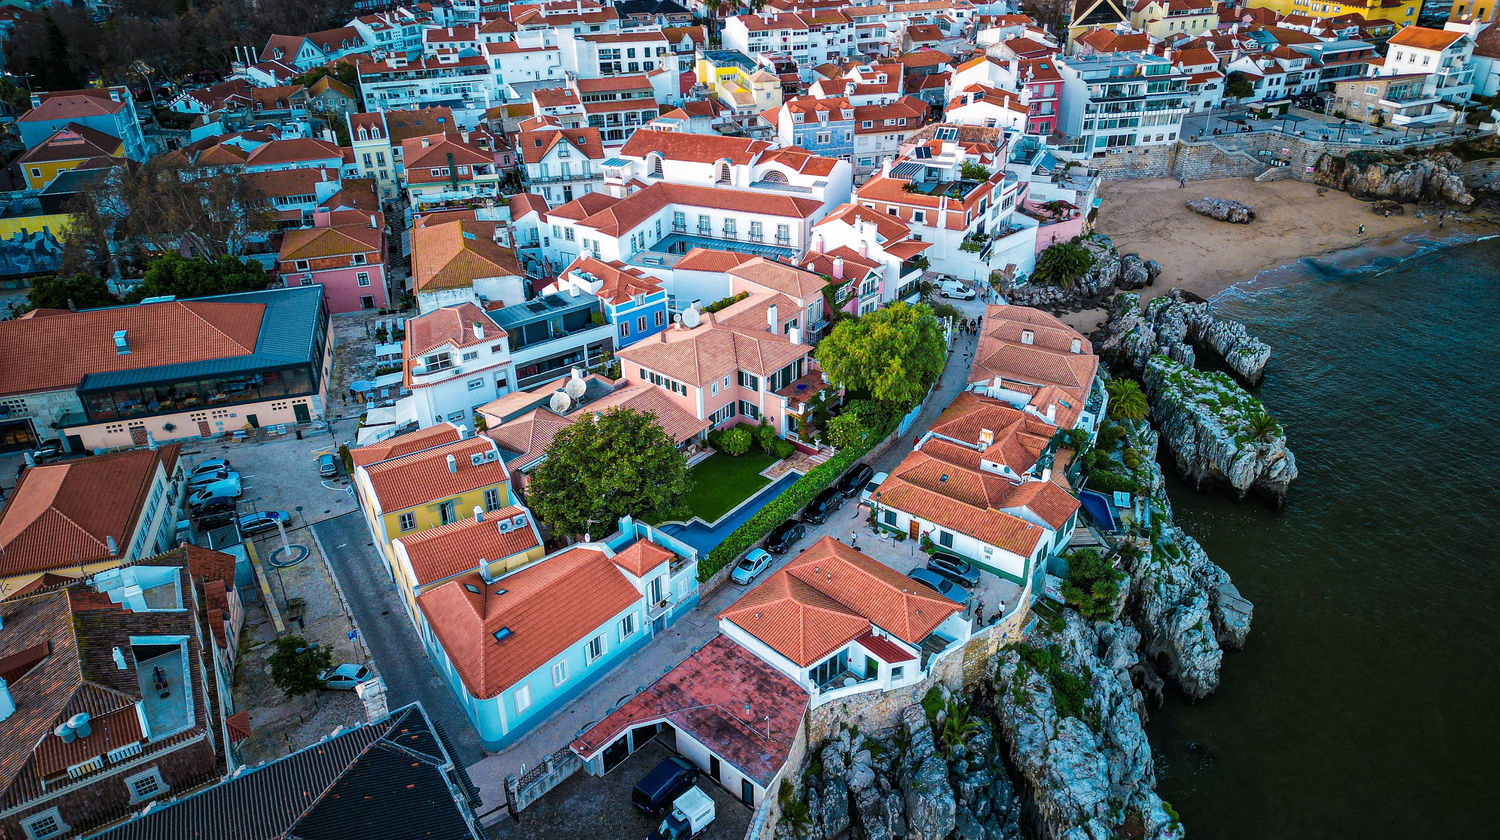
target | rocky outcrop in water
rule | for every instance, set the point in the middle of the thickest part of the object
(1223, 209)
(1217, 433)
(1430, 177)
(1068, 707)
(1173, 326)
(1110, 272)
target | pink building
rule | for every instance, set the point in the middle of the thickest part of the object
(743, 364)
(345, 251)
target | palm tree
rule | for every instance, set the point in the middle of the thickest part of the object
(1126, 400)
(1262, 426)
(958, 727)
(1063, 264)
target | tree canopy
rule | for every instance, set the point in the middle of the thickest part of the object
(297, 665)
(891, 355)
(81, 291)
(1238, 86)
(1126, 400)
(606, 466)
(171, 274)
(1062, 264)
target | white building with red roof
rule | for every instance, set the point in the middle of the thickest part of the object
(839, 623)
(632, 300)
(559, 163)
(463, 82)
(877, 237)
(1446, 55)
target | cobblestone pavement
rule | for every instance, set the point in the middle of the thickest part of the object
(600, 807)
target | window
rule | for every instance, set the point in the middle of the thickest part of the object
(897, 672)
(823, 138)
(713, 389)
(408, 521)
(749, 410)
(145, 785)
(469, 356)
(919, 216)
(627, 627)
(594, 649)
(559, 673)
(660, 318)
(359, 259)
(624, 329)
(890, 517)
(726, 383)
(301, 265)
(749, 381)
(46, 824)
(522, 697)
(363, 278)
(448, 511)
(945, 539)
(36, 172)
(492, 499)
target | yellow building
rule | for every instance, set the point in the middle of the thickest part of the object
(1484, 11)
(1165, 18)
(1088, 14)
(737, 82)
(1399, 12)
(67, 148)
(499, 541)
(426, 479)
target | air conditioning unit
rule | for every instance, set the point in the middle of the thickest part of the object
(477, 458)
(519, 520)
(491, 455)
(504, 526)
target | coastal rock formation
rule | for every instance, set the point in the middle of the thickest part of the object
(1388, 208)
(1073, 718)
(1110, 271)
(1430, 177)
(1173, 326)
(1223, 209)
(1217, 433)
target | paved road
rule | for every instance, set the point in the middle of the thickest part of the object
(393, 642)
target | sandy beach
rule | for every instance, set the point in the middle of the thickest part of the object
(1206, 256)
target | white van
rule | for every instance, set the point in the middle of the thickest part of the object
(692, 812)
(955, 289)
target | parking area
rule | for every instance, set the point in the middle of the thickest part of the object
(600, 808)
(282, 473)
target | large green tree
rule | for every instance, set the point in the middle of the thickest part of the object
(81, 291)
(1126, 400)
(606, 466)
(189, 278)
(891, 355)
(1238, 86)
(296, 665)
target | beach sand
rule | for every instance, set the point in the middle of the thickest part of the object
(1206, 256)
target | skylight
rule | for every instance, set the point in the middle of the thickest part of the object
(502, 634)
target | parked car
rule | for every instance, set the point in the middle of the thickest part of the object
(229, 487)
(347, 675)
(944, 587)
(954, 568)
(956, 290)
(263, 520)
(784, 535)
(666, 781)
(823, 505)
(205, 479)
(211, 465)
(691, 814)
(856, 479)
(212, 504)
(752, 564)
(47, 450)
(867, 495)
(328, 466)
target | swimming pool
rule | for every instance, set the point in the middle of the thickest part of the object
(1100, 509)
(706, 537)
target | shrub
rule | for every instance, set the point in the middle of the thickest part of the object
(765, 435)
(848, 431)
(782, 448)
(932, 702)
(1063, 264)
(736, 440)
(723, 302)
(1109, 482)
(1092, 585)
(347, 459)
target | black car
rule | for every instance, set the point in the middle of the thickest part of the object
(784, 536)
(668, 780)
(954, 568)
(213, 504)
(49, 450)
(823, 505)
(856, 479)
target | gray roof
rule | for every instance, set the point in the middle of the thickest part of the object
(538, 308)
(288, 336)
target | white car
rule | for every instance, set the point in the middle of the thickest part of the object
(347, 675)
(229, 487)
(213, 477)
(956, 290)
(750, 566)
(867, 495)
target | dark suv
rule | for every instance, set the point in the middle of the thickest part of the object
(784, 536)
(668, 780)
(823, 505)
(954, 568)
(856, 479)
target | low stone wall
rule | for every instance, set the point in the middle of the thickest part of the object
(545, 776)
(768, 812)
(1242, 156)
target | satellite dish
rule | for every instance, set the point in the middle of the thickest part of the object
(561, 402)
(690, 318)
(575, 388)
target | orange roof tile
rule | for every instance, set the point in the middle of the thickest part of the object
(453, 254)
(713, 351)
(405, 444)
(437, 554)
(1423, 38)
(422, 477)
(642, 556)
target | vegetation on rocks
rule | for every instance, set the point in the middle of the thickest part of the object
(1063, 264)
(1093, 584)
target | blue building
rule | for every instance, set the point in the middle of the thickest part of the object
(632, 300)
(110, 110)
(821, 126)
(513, 648)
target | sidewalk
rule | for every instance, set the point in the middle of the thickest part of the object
(695, 628)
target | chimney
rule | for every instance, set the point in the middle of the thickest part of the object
(114, 547)
(374, 225)
(479, 331)
(478, 513)
(864, 248)
(119, 658)
(372, 693)
(986, 437)
(771, 320)
(818, 243)
(122, 346)
(452, 464)
(1028, 337)
(7, 704)
(1076, 346)
(1051, 412)
(463, 432)
(838, 268)
(795, 335)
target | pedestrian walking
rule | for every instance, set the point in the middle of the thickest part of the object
(1182, 184)
(1361, 230)
(854, 539)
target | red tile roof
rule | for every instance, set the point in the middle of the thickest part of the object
(295, 150)
(697, 148)
(624, 215)
(830, 595)
(705, 696)
(422, 477)
(453, 253)
(709, 259)
(437, 554)
(959, 497)
(713, 351)
(1423, 38)
(405, 444)
(76, 104)
(548, 606)
(642, 556)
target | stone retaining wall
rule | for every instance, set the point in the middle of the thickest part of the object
(1243, 155)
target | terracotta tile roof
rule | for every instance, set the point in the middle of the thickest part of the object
(523, 204)
(886, 226)
(885, 649)
(709, 259)
(713, 351)
(74, 104)
(956, 497)
(830, 595)
(697, 148)
(453, 254)
(705, 697)
(406, 444)
(80, 343)
(625, 214)
(433, 150)
(422, 477)
(314, 242)
(439, 553)
(800, 160)
(548, 606)
(75, 142)
(419, 122)
(534, 143)
(908, 108)
(619, 282)
(584, 206)
(642, 556)
(239, 726)
(532, 432)
(295, 150)
(794, 282)
(529, 434)
(1017, 438)
(853, 266)
(1423, 38)
(285, 183)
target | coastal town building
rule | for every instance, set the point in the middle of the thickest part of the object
(108, 111)
(457, 257)
(558, 163)
(454, 359)
(1121, 100)
(633, 301)
(345, 252)
(1443, 55)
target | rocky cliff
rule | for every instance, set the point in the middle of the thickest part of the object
(1174, 326)
(1424, 177)
(1217, 433)
(1110, 272)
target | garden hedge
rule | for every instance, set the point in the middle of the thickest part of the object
(781, 508)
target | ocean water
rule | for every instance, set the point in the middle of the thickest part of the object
(1367, 701)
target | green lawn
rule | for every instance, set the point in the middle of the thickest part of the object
(723, 481)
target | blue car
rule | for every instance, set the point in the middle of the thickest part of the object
(263, 520)
(752, 564)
